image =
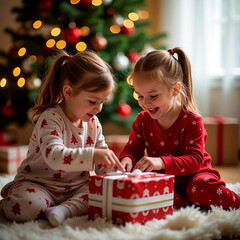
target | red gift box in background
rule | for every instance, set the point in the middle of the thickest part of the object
(11, 157)
(122, 198)
(8, 137)
(222, 141)
(116, 143)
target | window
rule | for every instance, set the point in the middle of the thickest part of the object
(224, 38)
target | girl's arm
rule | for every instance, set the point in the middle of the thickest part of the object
(135, 147)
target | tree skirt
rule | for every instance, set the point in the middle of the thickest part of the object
(187, 223)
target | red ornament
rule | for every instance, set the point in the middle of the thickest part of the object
(45, 5)
(8, 110)
(124, 110)
(133, 56)
(48, 50)
(85, 3)
(98, 42)
(72, 35)
(13, 51)
(111, 11)
(126, 30)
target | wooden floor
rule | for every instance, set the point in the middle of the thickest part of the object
(229, 174)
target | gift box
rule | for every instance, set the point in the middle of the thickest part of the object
(116, 143)
(11, 157)
(124, 198)
(222, 142)
(8, 137)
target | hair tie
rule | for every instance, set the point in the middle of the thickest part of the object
(69, 57)
(170, 51)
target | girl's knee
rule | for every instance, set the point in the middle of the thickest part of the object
(24, 203)
(21, 209)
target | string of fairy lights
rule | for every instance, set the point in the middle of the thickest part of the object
(55, 33)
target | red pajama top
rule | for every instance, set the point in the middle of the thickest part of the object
(181, 146)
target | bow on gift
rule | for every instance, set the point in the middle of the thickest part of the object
(135, 173)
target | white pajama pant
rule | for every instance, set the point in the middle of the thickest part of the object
(29, 200)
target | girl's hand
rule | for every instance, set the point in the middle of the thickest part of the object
(107, 158)
(149, 164)
(127, 163)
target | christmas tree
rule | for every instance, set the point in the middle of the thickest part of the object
(115, 29)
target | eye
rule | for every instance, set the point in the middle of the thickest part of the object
(153, 96)
(92, 102)
(140, 97)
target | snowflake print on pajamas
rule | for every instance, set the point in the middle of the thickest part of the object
(191, 142)
(162, 143)
(194, 189)
(219, 191)
(67, 159)
(57, 176)
(206, 179)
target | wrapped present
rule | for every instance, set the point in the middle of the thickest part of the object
(116, 143)
(8, 137)
(222, 142)
(11, 157)
(128, 198)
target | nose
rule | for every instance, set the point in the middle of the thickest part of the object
(145, 101)
(98, 108)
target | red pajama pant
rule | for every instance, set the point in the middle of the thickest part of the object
(28, 201)
(204, 190)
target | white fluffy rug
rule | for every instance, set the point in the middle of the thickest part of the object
(188, 223)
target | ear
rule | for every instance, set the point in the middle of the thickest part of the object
(177, 88)
(67, 91)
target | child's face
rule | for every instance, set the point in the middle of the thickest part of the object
(154, 97)
(84, 105)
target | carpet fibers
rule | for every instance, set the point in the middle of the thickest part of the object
(187, 223)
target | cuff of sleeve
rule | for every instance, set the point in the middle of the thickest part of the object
(168, 163)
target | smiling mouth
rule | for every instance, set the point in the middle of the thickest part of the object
(153, 110)
(90, 115)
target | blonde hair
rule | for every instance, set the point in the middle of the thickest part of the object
(163, 66)
(83, 71)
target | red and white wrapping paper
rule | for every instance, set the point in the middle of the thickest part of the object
(11, 157)
(123, 198)
(7, 137)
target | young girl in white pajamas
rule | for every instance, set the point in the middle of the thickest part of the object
(66, 143)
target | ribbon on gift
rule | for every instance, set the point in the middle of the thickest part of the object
(108, 203)
(220, 120)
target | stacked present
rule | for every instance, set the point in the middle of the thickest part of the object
(116, 143)
(11, 155)
(222, 142)
(125, 197)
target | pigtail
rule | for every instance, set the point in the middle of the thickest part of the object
(188, 101)
(50, 92)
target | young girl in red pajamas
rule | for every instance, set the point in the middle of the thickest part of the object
(172, 132)
(66, 143)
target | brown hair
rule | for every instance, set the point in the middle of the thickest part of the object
(162, 65)
(83, 71)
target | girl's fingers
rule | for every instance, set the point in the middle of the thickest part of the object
(117, 163)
